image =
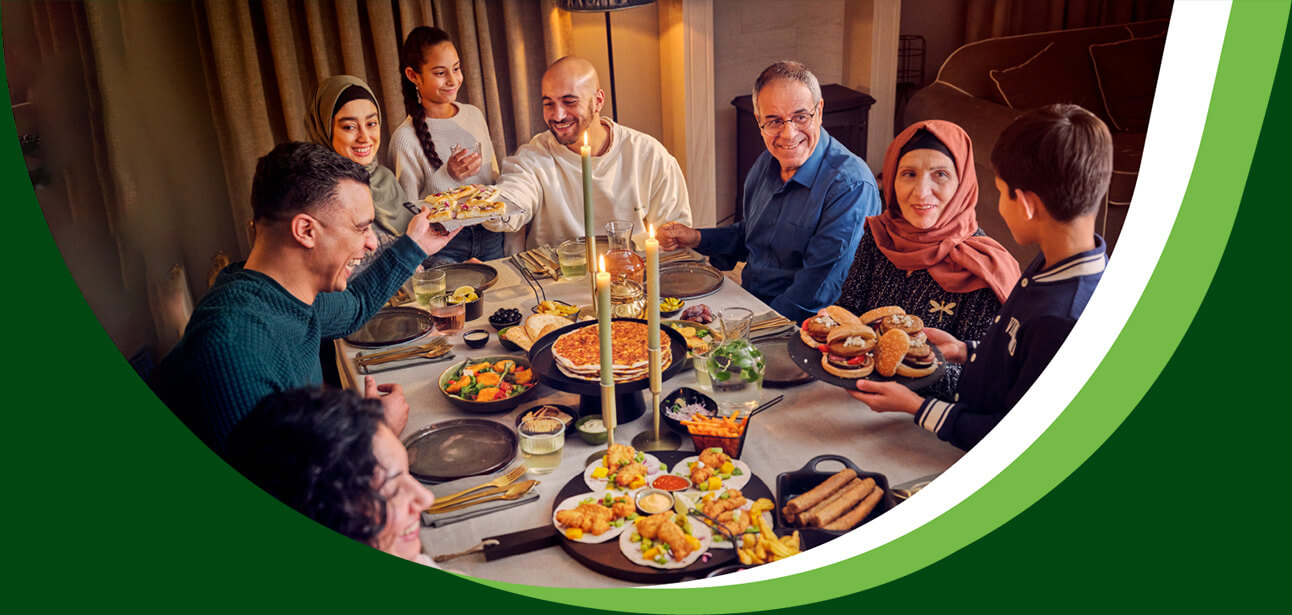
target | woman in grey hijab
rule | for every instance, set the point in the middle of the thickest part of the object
(344, 116)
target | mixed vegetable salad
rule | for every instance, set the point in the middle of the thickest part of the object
(485, 381)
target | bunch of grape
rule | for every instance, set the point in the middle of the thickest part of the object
(698, 313)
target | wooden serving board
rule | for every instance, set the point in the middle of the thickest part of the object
(607, 559)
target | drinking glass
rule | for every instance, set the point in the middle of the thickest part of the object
(427, 284)
(573, 255)
(471, 148)
(540, 448)
(448, 317)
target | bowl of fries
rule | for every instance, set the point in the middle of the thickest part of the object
(728, 433)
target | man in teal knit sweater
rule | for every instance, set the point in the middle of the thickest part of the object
(258, 329)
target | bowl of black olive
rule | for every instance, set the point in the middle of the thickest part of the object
(504, 317)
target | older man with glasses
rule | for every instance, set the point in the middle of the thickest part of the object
(806, 200)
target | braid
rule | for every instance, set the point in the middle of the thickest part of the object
(410, 56)
(424, 137)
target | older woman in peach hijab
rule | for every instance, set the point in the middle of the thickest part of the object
(925, 251)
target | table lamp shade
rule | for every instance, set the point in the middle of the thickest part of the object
(599, 6)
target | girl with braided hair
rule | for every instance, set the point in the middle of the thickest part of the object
(435, 148)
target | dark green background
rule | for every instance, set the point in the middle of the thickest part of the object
(112, 502)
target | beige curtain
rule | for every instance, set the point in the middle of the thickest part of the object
(992, 18)
(152, 116)
(262, 65)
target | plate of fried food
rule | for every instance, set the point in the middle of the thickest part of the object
(622, 468)
(840, 348)
(666, 540)
(713, 470)
(593, 518)
(736, 513)
(833, 502)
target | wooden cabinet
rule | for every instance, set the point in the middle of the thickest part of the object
(846, 117)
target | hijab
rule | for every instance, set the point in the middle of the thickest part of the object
(387, 197)
(957, 260)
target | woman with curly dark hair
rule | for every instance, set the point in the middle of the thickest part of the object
(443, 143)
(328, 454)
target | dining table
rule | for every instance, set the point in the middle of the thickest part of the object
(813, 419)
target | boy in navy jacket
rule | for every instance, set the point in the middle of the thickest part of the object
(1053, 165)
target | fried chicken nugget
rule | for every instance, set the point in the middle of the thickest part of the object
(648, 527)
(591, 518)
(673, 535)
(623, 507)
(700, 473)
(713, 459)
(715, 507)
(630, 472)
(618, 455)
(736, 521)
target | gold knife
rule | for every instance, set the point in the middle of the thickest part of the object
(525, 485)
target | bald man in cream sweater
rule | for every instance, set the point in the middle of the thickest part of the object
(633, 177)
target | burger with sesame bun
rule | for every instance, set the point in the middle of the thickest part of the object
(848, 351)
(918, 359)
(874, 317)
(816, 329)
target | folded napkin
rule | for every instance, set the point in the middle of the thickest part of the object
(449, 518)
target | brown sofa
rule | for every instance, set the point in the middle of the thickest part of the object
(1110, 70)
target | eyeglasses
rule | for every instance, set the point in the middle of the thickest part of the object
(774, 127)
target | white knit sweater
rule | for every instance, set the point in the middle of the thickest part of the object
(412, 169)
(636, 180)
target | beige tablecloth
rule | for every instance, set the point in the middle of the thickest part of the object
(814, 419)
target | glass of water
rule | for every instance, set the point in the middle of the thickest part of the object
(541, 444)
(574, 259)
(427, 284)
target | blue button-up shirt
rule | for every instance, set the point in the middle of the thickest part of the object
(798, 237)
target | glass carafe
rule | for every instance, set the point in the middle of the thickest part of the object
(621, 261)
(736, 366)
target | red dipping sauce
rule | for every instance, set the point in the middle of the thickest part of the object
(669, 482)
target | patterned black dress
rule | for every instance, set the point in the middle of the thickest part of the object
(874, 281)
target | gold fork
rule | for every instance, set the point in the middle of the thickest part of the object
(515, 492)
(502, 481)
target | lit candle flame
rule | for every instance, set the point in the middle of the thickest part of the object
(585, 138)
(601, 263)
(650, 228)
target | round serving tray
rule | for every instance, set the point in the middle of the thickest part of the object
(607, 559)
(689, 280)
(808, 359)
(781, 370)
(458, 448)
(476, 275)
(544, 364)
(390, 326)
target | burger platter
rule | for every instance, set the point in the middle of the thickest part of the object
(885, 344)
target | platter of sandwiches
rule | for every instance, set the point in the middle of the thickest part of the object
(466, 205)
(885, 343)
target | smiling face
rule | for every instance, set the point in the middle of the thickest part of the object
(782, 100)
(925, 182)
(439, 77)
(571, 103)
(345, 235)
(356, 131)
(405, 497)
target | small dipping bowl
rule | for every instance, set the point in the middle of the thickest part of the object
(670, 313)
(671, 482)
(651, 501)
(592, 436)
(476, 338)
(475, 309)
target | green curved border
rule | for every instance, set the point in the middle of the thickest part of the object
(1245, 75)
(155, 521)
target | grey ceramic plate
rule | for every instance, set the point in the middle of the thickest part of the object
(689, 280)
(781, 370)
(476, 275)
(392, 325)
(458, 448)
